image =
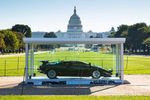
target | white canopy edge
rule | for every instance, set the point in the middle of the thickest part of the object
(74, 40)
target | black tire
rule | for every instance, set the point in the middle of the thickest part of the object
(51, 74)
(96, 74)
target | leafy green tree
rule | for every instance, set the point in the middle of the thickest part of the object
(10, 39)
(50, 35)
(112, 34)
(20, 37)
(24, 29)
(91, 36)
(122, 31)
(2, 43)
(134, 34)
(147, 43)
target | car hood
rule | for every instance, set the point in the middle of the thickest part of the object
(95, 66)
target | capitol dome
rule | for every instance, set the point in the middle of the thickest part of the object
(74, 23)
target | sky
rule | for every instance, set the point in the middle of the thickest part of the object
(53, 15)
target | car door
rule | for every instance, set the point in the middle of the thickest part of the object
(84, 69)
(67, 67)
(62, 68)
(74, 69)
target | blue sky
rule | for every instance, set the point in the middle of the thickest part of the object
(53, 15)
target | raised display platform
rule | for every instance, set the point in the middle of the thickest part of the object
(43, 80)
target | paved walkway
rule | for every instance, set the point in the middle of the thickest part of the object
(12, 55)
(21, 54)
(139, 85)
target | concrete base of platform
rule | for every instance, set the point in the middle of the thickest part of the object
(43, 80)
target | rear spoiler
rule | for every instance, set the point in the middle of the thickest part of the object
(44, 62)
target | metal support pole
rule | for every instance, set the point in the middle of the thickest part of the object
(32, 60)
(114, 56)
(121, 61)
(117, 59)
(26, 63)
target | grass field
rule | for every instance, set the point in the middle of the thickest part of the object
(14, 66)
(74, 97)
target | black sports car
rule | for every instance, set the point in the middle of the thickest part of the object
(72, 68)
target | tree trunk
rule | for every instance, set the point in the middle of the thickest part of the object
(148, 50)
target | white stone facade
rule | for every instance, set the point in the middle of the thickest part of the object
(74, 30)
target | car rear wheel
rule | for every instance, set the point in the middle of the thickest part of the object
(51, 74)
(96, 74)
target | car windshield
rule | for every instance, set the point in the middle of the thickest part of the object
(57, 62)
(53, 63)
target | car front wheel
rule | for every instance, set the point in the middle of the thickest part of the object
(51, 74)
(96, 74)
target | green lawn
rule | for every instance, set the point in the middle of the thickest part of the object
(74, 97)
(135, 65)
(14, 65)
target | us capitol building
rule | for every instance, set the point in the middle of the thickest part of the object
(74, 30)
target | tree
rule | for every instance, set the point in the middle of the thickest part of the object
(134, 34)
(52, 46)
(50, 35)
(10, 39)
(91, 36)
(122, 30)
(2, 43)
(24, 29)
(20, 37)
(147, 43)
